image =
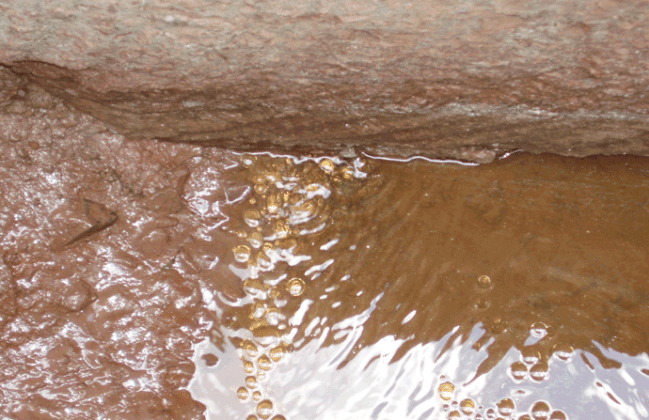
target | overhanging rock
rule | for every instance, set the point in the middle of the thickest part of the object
(466, 80)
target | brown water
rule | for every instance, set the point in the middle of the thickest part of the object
(374, 290)
(146, 280)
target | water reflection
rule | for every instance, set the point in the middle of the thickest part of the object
(367, 289)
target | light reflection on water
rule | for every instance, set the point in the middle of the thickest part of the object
(308, 386)
(370, 286)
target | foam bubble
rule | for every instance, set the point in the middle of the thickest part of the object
(539, 372)
(242, 393)
(327, 165)
(251, 382)
(276, 354)
(558, 415)
(446, 391)
(264, 362)
(518, 371)
(506, 407)
(484, 282)
(467, 406)
(241, 253)
(265, 409)
(541, 410)
(295, 286)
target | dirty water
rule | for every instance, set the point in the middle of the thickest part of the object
(381, 290)
(147, 280)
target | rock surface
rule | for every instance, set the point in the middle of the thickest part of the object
(467, 80)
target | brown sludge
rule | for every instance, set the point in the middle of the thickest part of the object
(111, 250)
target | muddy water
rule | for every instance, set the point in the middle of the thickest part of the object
(146, 280)
(375, 290)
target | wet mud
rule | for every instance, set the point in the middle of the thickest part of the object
(148, 280)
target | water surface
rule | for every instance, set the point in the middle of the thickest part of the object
(366, 289)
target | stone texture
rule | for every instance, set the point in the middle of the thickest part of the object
(391, 77)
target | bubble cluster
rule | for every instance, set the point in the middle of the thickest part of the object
(540, 410)
(504, 409)
(286, 202)
(531, 366)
